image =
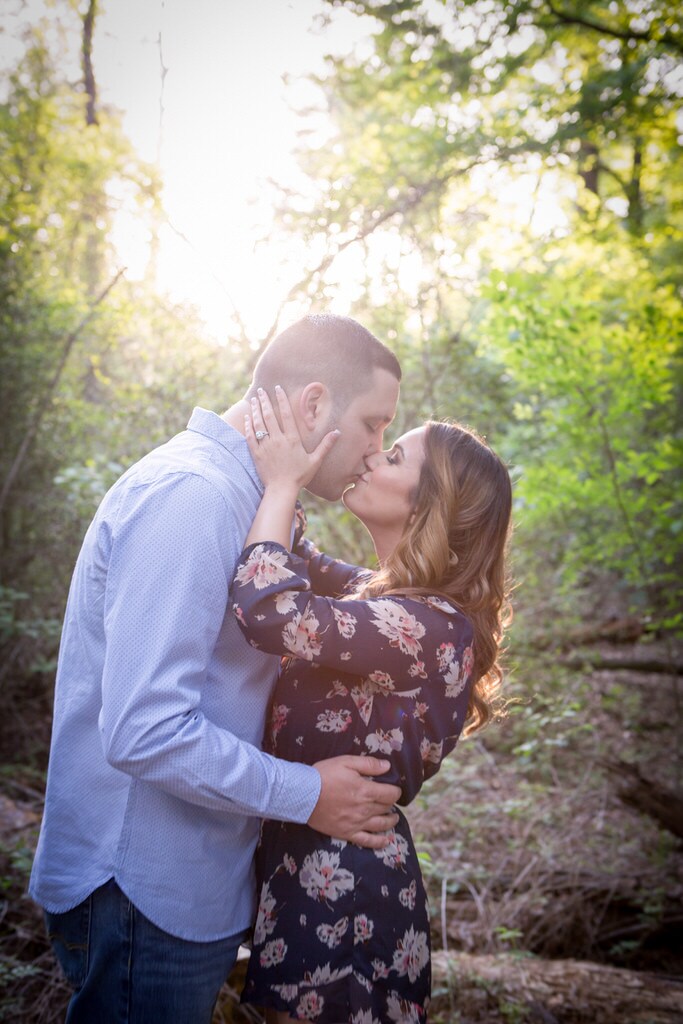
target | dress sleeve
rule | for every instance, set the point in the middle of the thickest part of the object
(409, 660)
(329, 577)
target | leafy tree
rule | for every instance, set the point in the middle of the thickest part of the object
(590, 88)
(452, 105)
(596, 437)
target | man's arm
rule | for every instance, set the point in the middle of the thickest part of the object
(170, 567)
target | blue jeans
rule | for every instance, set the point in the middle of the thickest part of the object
(125, 970)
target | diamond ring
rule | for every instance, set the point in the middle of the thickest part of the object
(260, 434)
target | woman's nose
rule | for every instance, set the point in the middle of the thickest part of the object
(372, 460)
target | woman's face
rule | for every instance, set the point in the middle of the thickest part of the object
(383, 497)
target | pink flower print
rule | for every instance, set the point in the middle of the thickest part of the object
(395, 853)
(384, 742)
(334, 721)
(346, 623)
(290, 864)
(345, 655)
(338, 689)
(362, 929)
(431, 751)
(273, 953)
(380, 682)
(363, 702)
(379, 970)
(310, 1006)
(420, 710)
(467, 661)
(286, 991)
(444, 606)
(300, 635)
(363, 694)
(455, 681)
(407, 896)
(401, 1011)
(445, 655)
(285, 603)
(365, 1016)
(332, 934)
(400, 627)
(278, 718)
(263, 568)
(418, 669)
(324, 975)
(322, 878)
(239, 614)
(411, 955)
(265, 919)
(367, 985)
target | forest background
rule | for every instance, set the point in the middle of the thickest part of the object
(503, 181)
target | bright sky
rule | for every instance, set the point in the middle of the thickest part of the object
(228, 126)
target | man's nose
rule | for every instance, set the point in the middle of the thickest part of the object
(372, 459)
(375, 443)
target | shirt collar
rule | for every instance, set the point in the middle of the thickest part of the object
(207, 423)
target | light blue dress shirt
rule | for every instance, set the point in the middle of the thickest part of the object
(155, 775)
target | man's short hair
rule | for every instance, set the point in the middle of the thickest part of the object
(336, 350)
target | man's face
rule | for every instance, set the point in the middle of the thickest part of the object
(362, 427)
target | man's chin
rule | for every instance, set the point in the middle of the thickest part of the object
(326, 490)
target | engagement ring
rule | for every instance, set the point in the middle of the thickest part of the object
(260, 434)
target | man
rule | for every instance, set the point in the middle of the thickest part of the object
(156, 783)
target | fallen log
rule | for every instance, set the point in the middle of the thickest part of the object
(648, 797)
(603, 663)
(552, 991)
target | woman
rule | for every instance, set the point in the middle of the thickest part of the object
(393, 663)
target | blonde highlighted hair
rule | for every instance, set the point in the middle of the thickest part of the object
(454, 546)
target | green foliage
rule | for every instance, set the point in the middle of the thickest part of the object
(86, 389)
(590, 89)
(596, 355)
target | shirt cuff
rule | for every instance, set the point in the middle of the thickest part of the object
(297, 794)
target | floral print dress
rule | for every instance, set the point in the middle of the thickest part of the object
(342, 932)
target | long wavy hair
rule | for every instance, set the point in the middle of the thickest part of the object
(454, 546)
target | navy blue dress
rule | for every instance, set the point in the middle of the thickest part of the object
(342, 932)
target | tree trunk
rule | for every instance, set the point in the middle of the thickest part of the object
(634, 192)
(88, 73)
(589, 166)
(93, 201)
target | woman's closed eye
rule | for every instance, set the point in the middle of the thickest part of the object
(393, 458)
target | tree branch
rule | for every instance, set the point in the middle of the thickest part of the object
(667, 38)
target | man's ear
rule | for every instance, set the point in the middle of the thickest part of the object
(314, 405)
